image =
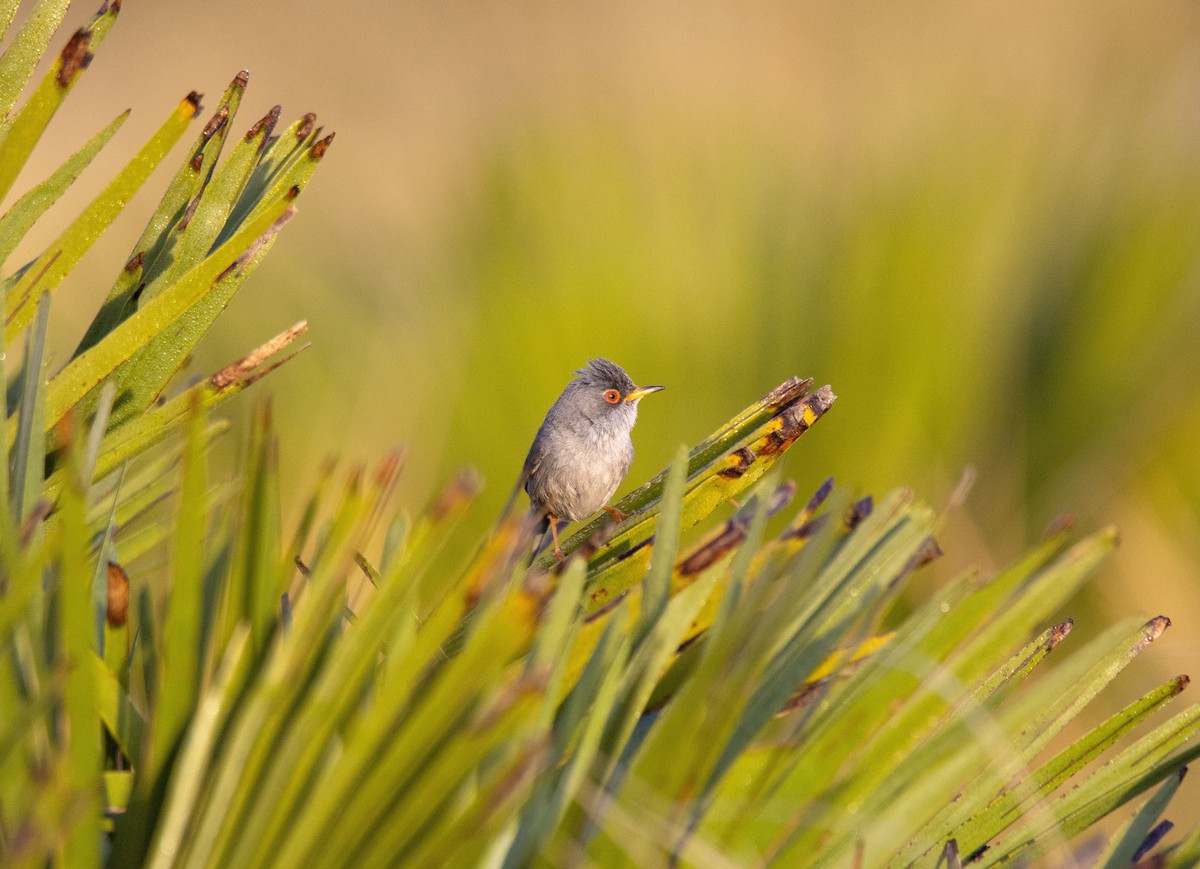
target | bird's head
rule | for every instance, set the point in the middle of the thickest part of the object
(604, 391)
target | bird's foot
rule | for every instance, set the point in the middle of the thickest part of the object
(616, 514)
(558, 553)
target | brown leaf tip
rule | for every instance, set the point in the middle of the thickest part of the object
(462, 489)
(859, 511)
(1151, 631)
(734, 532)
(306, 126)
(236, 371)
(242, 79)
(75, 57)
(118, 596)
(1060, 525)
(318, 150)
(266, 122)
(64, 431)
(1060, 632)
(215, 123)
(194, 98)
(929, 552)
(787, 392)
(782, 496)
(135, 261)
(820, 496)
(389, 468)
(114, 7)
(821, 400)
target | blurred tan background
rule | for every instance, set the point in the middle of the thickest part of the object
(979, 222)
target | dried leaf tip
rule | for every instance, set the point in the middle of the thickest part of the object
(929, 551)
(242, 78)
(1061, 524)
(819, 497)
(242, 369)
(118, 596)
(306, 126)
(264, 125)
(194, 98)
(318, 150)
(64, 431)
(461, 490)
(75, 57)
(1060, 632)
(215, 123)
(787, 392)
(1152, 630)
(135, 261)
(858, 512)
(114, 7)
(389, 468)
(822, 399)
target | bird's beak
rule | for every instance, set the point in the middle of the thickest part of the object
(639, 392)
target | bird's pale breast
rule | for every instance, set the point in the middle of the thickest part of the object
(581, 472)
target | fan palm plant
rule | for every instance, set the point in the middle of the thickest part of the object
(184, 684)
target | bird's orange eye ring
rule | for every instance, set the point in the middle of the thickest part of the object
(612, 396)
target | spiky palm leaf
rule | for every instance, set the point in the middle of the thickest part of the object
(258, 702)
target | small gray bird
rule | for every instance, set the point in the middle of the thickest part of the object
(583, 450)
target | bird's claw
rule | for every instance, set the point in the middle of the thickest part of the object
(616, 514)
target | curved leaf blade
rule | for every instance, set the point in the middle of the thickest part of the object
(21, 132)
(25, 212)
(47, 272)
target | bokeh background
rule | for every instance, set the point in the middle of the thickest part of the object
(980, 222)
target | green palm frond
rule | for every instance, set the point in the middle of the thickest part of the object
(186, 682)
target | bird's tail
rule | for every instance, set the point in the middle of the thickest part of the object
(535, 531)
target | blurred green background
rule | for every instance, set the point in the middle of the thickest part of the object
(979, 222)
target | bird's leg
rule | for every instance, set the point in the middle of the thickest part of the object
(558, 553)
(617, 515)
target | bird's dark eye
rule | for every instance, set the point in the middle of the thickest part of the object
(612, 396)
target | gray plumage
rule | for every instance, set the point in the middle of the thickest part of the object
(583, 449)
